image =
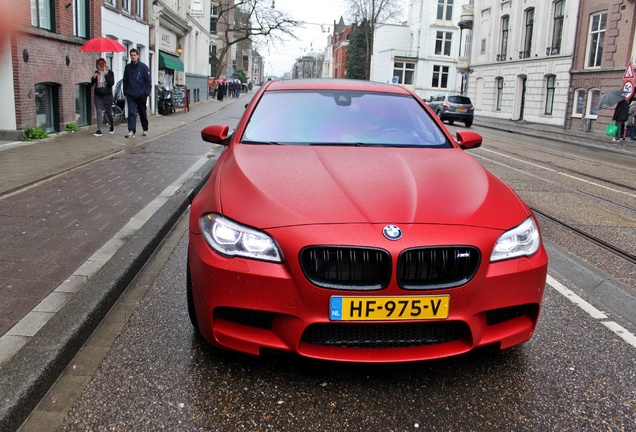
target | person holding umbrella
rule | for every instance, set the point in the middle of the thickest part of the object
(137, 88)
(621, 112)
(103, 79)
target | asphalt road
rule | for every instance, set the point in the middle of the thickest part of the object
(574, 374)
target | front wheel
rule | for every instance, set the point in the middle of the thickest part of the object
(190, 298)
(118, 114)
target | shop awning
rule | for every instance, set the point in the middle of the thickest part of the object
(168, 61)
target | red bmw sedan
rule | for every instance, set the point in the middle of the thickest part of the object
(343, 222)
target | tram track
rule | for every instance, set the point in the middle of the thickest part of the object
(601, 199)
(627, 256)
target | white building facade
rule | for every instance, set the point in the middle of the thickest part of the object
(196, 50)
(520, 59)
(422, 54)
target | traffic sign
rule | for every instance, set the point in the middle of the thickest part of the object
(628, 89)
(629, 72)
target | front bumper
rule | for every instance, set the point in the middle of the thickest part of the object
(251, 306)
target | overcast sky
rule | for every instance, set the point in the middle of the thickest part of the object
(280, 58)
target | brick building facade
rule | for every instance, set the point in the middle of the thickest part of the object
(605, 46)
(51, 77)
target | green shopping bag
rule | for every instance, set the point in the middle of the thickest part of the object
(611, 129)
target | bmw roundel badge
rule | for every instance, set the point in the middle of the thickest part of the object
(392, 232)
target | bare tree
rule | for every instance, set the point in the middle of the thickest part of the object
(245, 20)
(371, 13)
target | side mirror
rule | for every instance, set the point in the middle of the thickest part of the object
(468, 140)
(215, 134)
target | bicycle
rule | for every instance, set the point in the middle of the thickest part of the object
(118, 114)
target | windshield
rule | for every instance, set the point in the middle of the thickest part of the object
(342, 118)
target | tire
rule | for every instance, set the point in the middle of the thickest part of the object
(192, 313)
(118, 114)
(468, 123)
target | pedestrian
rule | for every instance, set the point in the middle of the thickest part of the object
(220, 91)
(213, 88)
(620, 117)
(631, 120)
(137, 88)
(103, 79)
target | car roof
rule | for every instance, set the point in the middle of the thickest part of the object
(335, 84)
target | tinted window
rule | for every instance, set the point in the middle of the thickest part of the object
(343, 118)
(459, 100)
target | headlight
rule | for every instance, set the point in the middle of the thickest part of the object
(523, 240)
(233, 239)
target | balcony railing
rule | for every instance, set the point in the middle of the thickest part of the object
(501, 57)
(524, 54)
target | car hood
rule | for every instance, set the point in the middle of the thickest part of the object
(274, 186)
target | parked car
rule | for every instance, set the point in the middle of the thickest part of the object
(453, 107)
(343, 222)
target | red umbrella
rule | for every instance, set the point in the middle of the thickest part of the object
(102, 44)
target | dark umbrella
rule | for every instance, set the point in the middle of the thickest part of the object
(611, 98)
(102, 44)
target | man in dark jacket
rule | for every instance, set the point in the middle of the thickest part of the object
(137, 88)
(621, 112)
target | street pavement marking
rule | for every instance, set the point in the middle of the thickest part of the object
(20, 334)
(619, 330)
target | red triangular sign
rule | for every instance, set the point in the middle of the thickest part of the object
(629, 72)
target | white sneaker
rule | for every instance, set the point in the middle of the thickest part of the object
(130, 134)
(616, 139)
(144, 133)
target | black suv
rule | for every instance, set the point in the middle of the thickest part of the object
(453, 107)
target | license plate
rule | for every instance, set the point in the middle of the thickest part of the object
(388, 308)
(461, 109)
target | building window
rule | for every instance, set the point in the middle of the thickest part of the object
(83, 105)
(445, 10)
(214, 18)
(125, 5)
(579, 103)
(549, 100)
(527, 41)
(43, 14)
(596, 38)
(46, 107)
(557, 28)
(500, 82)
(80, 18)
(443, 43)
(139, 8)
(503, 49)
(440, 77)
(593, 99)
(405, 72)
(482, 50)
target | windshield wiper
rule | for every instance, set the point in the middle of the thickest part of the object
(260, 142)
(342, 144)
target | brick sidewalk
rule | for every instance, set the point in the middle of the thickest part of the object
(81, 190)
